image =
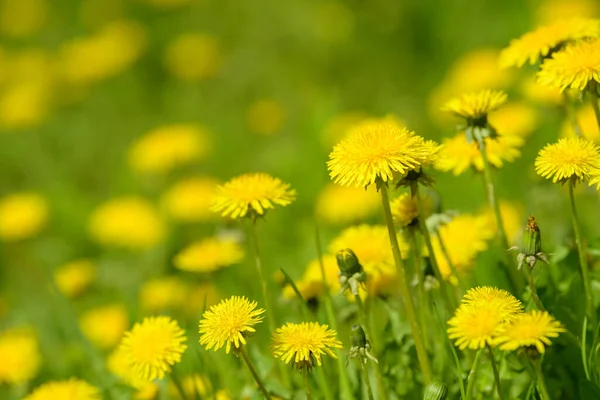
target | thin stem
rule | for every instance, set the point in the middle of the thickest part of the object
(306, 384)
(365, 375)
(496, 373)
(513, 274)
(259, 382)
(473, 374)
(420, 282)
(178, 385)
(587, 286)
(461, 284)
(541, 383)
(594, 100)
(533, 290)
(571, 115)
(404, 289)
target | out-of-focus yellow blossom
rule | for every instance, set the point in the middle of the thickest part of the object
(464, 237)
(333, 21)
(193, 57)
(587, 122)
(457, 154)
(118, 364)
(169, 3)
(22, 215)
(199, 298)
(265, 117)
(67, 389)
(24, 105)
(405, 209)
(97, 13)
(169, 146)
(338, 127)
(73, 278)
(127, 222)
(20, 355)
(164, 293)
(109, 52)
(189, 200)
(104, 326)
(338, 204)
(194, 386)
(534, 91)
(23, 18)
(515, 119)
(512, 217)
(549, 11)
(209, 255)
(311, 283)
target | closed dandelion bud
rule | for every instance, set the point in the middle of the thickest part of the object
(348, 262)
(532, 240)
(435, 391)
(358, 337)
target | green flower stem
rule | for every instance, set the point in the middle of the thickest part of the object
(461, 284)
(178, 385)
(259, 382)
(594, 100)
(571, 115)
(473, 374)
(496, 373)
(541, 383)
(365, 375)
(587, 286)
(513, 274)
(534, 294)
(306, 384)
(449, 299)
(404, 289)
(412, 240)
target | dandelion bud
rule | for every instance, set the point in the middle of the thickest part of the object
(358, 337)
(348, 262)
(531, 245)
(435, 391)
(360, 346)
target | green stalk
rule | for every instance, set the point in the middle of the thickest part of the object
(571, 115)
(513, 274)
(306, 384)
(587, 286)
(594, 100)
(534, 294)
(496, 373)
(259, 382)
(404, 289)
(541, 383)
(420, 282)
(365, 375)
(473, 374)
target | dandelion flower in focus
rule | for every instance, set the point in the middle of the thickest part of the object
(575, 67)
(342, 204)
(73, 278)
(167, 147)
(502, 300)
(475, 106)
(118, 364)
(126, 222)
(104, 326)
(23, 18)
(541, 42)
(164, 293)
(20, 355)
(154, 346)
(304, 343)
(72, 389)
(514, 119)
(251, 194)
(532, 329)
(209, 255)
(228, 323)
(189, 200)
(569, 158)
(405, 209)
(311, 284)
(193, 57)
(587, 122)
(22, 216)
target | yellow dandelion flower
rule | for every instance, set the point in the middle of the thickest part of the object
(375, 150)
(342, 204)
(193, 57)
(586, 118)
(24, 105)
(595, 178)
(574, 67)
(167, 147)
(22, 216)
(569, 158)
(265, 117)
(20, 355)
(104, 326)
(475, 326)
(311, 284)
(118, 364)
(552, 10)
(251, 194)
(209, 255)
(304, 343)
(514, 119)
(69, 389)
(127, 222)
(229, 322)
(458, 155)
(405, 209)
(512, 218)
(164, 293)
(534, 91)
(194, 386)
(475, 106)
(23, 18)
(537, 44)
(534, 328)
(504, 302)
(153, 346)
(73, 278)
(189, 200)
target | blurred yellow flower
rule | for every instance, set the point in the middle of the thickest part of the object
(474, 106)
(24, 105)
(154, 346)
(118, 364)
(169, 146)
(209, 255)
(162, 294)
(457, 154)
(23, 18)
(535, 92)
(68, 389)
(537, 44)
(512, 218)
(193, 57)
(533, 328)
(549, 11)
(569, 158)
(251, 194)
(20, 355)
(586, 119)
(514, 119)
(265, 117)
(194, 386)
(127, 222)
(342, 204)
(73, 278)
(574, 67)
(104, 326)
(189, 200)
(405, 209)
(22, 215)
(311, 284)
(109, 52)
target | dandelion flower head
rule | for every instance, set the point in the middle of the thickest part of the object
(475, 106)
(339, 205)
(153, 346)
(72, 389)
(163, 293)
(118, 364)
(189, 200)
(586, 119)
(104, 326)
(405, 209)
(209, 255)
(502, 301)
(575, 67)
(229, 322)
(474, 326)
(20, 355)
(22, 216)
(531, 329)
(569, 158)
(74, 277)
(514, 119)
(193, 57)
